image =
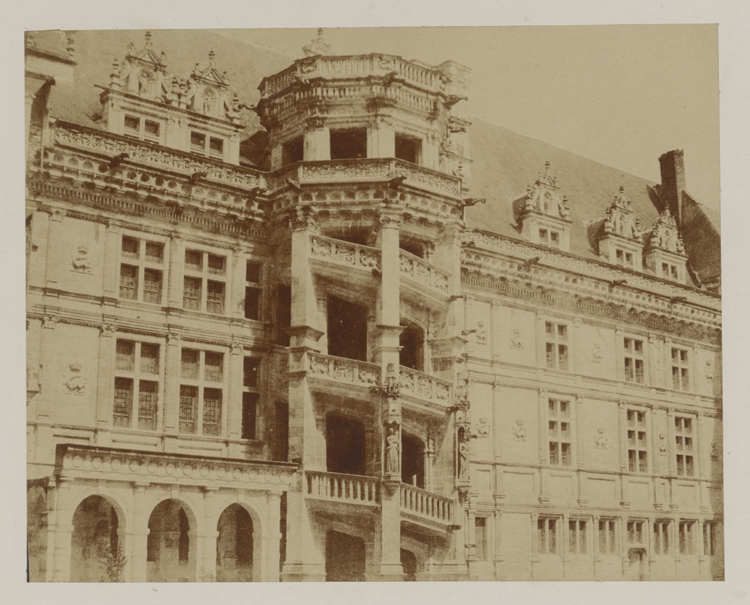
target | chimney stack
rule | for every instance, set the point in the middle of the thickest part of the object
(673, 182)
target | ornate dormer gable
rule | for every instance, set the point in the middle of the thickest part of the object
(208, 92)
(317, 46)
(543, 212)
(665, 253)
(142, 73)
(198, 114)
(620, 237)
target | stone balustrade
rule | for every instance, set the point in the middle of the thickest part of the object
(178, 161)
(423, 386)
(345, 253)
(335, 487)
(423, 272)
(424, 504)
(371, 169)
(357, 66)
(339, 369)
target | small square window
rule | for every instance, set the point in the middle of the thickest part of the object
(151, 130)
(197, 142)
(154, 252)
(130, 247)
(133, 124)
(216, 147)
(193, 260)
(216, 264)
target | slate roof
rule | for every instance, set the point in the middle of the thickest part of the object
(504, 162)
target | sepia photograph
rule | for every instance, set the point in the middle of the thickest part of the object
(389, 304)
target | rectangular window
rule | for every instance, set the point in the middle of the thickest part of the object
(348, 144)
(201, 391)
(637, 442)
(661, 538)
(250, 396)
(408, 148)
(252, 290)
(683, 435)
(560, 451)
(687, 537)
(204, 286)
(480, 538)
(283, 314)
(293, 151)
(198, 143)
(145, 130)
(577, 537)
(556, 343)
(548, 237)
(547, 536)
(633, 360)
(136, 371)
(709, 539)
(680, 375)
(141, 277)
(635, 532)
(607, 537)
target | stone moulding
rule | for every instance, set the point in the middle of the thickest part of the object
(109, 143)
(76, 461)
(592, 269)
(620, 313)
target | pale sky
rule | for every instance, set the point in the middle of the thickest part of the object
(619, 94)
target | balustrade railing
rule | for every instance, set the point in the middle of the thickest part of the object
(344, 253)
(344, 370)
(424, 386)
(354, 66)
(423, 272)
(338, 487)
(427, 505)
(377, 169)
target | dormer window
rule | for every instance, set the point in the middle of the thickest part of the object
(669, 271)
(201, 144)
(549, 237)
(623, 258)
(142, 129)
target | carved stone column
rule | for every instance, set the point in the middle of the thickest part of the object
(210, 534)
(317, 140)
(139, 535)
(63, 530)
(104, 395)
(172, 390)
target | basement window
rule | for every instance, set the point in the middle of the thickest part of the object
(348, 144)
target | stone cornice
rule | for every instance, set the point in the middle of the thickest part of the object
(108, 143)
(489, 248)
(78, 461)
(152, 207)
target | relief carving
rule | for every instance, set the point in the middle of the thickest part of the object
(481, 337)
(662, 444)
(519, 431)
(601, 440)
(81, 263)
(516, 339)
(483, 428)
(74, 380)
(597, 353)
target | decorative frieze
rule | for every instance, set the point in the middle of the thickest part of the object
(345, 253)
(423, 386)
(110, 144)
(126, 465)
(343, 370)
(423, 272)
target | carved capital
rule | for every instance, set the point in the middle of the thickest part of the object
(315, 123)
(108, 329)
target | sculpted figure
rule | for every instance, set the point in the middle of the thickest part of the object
(392, 450)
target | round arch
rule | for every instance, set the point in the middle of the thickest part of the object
(172, 545)
(239, 543)
(96, 539)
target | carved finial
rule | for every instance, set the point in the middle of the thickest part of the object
(31, 39)
(317, 46)
(622, 189)
(546, 168)
(70, 42)
(149, 44)
(212, 58)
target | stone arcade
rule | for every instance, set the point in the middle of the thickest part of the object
(272, 337)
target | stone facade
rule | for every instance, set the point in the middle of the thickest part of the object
(238, 373)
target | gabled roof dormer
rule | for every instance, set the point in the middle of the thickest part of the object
(198, 114)
(543, 213)
(665, 253)
(620, 237)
